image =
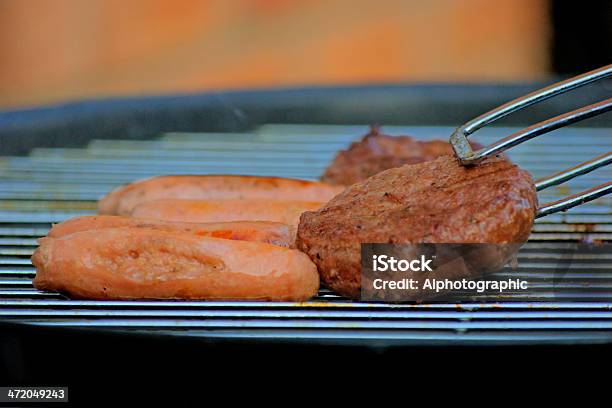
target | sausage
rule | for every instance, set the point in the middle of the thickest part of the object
(214, 187)
(258, 231)
(142, 263)
(286, 212)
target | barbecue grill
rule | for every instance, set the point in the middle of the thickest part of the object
(58, 161)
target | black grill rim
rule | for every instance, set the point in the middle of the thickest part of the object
(74, 124)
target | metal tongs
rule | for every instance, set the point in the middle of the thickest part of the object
(467, 156)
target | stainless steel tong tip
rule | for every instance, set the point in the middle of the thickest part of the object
(467, 156)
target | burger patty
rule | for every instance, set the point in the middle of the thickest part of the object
(439, 201)
(377, 152)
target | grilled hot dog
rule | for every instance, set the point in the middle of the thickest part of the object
(142, 263)
(259, 231)
(286, 212)
(214, 187)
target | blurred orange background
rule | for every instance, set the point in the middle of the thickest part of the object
(59, 50)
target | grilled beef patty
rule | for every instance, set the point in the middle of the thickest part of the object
(377, 152)
(439, 201)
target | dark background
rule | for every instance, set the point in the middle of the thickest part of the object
(582, 35)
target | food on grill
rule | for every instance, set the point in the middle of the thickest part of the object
(214, 187)
(438, 201)
(141, 263)
(260, 231)
(286, 212)
(377, 152)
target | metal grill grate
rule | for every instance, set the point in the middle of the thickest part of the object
(51, 185)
